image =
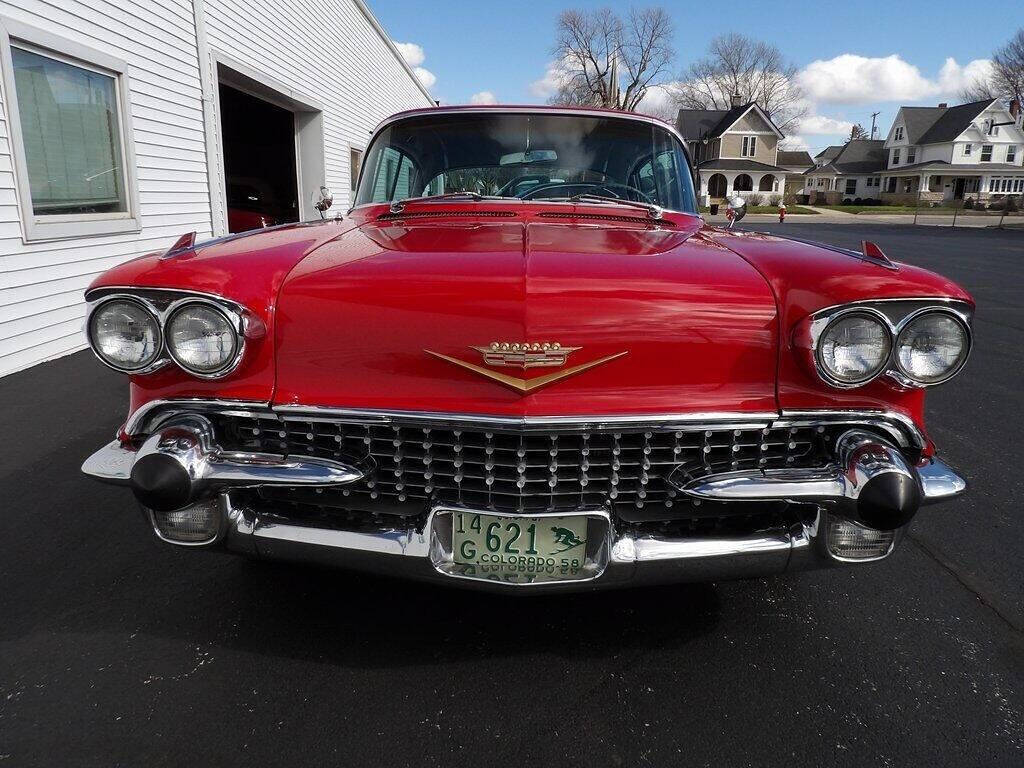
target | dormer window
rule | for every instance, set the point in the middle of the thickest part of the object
(967, 150)
(749, 148)
(991, 129)
(898, 136)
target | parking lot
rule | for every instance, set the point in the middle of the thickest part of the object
(115, 650)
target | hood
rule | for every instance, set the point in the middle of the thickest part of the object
(652, 319)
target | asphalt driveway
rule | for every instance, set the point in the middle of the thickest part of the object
(115, 650)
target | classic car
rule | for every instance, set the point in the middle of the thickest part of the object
(524, 360)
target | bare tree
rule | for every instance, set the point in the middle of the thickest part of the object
(1006, 80)
(736, 65)
(1008, 69)
(595, 48)
(858, 132)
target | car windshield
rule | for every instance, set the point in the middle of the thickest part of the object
(527, 156)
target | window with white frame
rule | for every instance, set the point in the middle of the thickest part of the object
(911, 154)
(68, 122)
(986, 153)
(1011, 153)
(355, 162)
(749, 148)
(851, 186)
(967, 150)
(898, 136)
(895, 157)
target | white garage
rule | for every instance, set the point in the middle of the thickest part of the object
(126, 123)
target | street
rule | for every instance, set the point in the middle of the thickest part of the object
(118, 650)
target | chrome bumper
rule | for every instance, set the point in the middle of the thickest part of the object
(836, 492)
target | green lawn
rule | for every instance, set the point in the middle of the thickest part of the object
(886, 209)
(765, 209)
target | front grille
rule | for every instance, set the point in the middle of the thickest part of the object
(522, 470)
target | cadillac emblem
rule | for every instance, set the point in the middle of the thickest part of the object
(525, 355)
(544, 355)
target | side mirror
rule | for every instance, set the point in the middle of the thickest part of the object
(322, 200)
(737, 209)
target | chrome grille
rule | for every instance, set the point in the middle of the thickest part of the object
(523, 470)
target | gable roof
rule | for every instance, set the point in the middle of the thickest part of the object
(786, 157)
(932, 125)
(856, 156)
(829, 152)
(695, 124)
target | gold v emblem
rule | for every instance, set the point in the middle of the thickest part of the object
(525, 385)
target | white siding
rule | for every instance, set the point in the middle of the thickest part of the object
(330, 50)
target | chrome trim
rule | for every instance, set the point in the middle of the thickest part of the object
(939, 481)
(860, 457)
(900, 426)
(158, 362)
(243, 322)
(897, 314)
(111, 464)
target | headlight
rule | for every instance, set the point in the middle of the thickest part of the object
(201, 339)
(125, 334)
(932, 347)
(854, 348)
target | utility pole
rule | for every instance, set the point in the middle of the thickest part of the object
(873, 116)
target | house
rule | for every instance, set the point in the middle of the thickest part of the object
(850, 173)
(828, 154)
(735, 150)
(796, 164)
(125, 125)
(944, 153)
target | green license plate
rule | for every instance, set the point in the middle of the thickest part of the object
(520, 549)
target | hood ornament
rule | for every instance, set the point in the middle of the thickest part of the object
(536, 355)
(525, 355)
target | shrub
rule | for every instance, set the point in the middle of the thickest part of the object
(1011, 205)
(969, 204)
(774, 200)
(755, 200)
(846, 201)
(858, 201)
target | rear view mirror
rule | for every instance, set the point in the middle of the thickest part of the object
(530, 156)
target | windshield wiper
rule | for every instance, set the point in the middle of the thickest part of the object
(654, 211)
(399, 205)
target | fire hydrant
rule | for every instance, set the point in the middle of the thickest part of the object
(782, 213)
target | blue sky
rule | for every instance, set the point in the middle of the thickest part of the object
(856, 58)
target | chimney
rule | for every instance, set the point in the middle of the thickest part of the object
(734, 100)
(943, 105)
(1014, 109)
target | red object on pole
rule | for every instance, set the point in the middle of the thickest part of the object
(782, 213)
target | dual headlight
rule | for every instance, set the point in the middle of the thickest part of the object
(926, 349)
(130, 336)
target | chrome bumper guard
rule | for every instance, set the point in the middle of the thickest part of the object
(870, 483)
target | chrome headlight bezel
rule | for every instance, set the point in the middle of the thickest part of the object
(961, 362)
(233, 324)
(90, 332)
(897, 314)
(866, 312)
(162, 303)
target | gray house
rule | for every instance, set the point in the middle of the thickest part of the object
(852, 172)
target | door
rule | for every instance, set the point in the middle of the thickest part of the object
(958, 189)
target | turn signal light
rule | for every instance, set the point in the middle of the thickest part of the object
(195, 524)
(849, 541)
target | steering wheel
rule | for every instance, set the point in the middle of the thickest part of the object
(590, 187)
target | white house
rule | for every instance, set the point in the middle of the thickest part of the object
(941, 153)
(127, 123)
(851, 172)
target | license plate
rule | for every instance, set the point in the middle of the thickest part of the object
(520, 549)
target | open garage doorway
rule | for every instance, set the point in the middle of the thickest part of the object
(260, 175)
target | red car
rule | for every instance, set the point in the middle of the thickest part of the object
(524, 360)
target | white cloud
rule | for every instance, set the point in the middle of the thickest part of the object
(411, 52)
(819, 124)
(483, 97)
(426, 77)
(795, 143)
(659, 101)
(414, 57)
(548, 85)
(853, 79)
(953, 78)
